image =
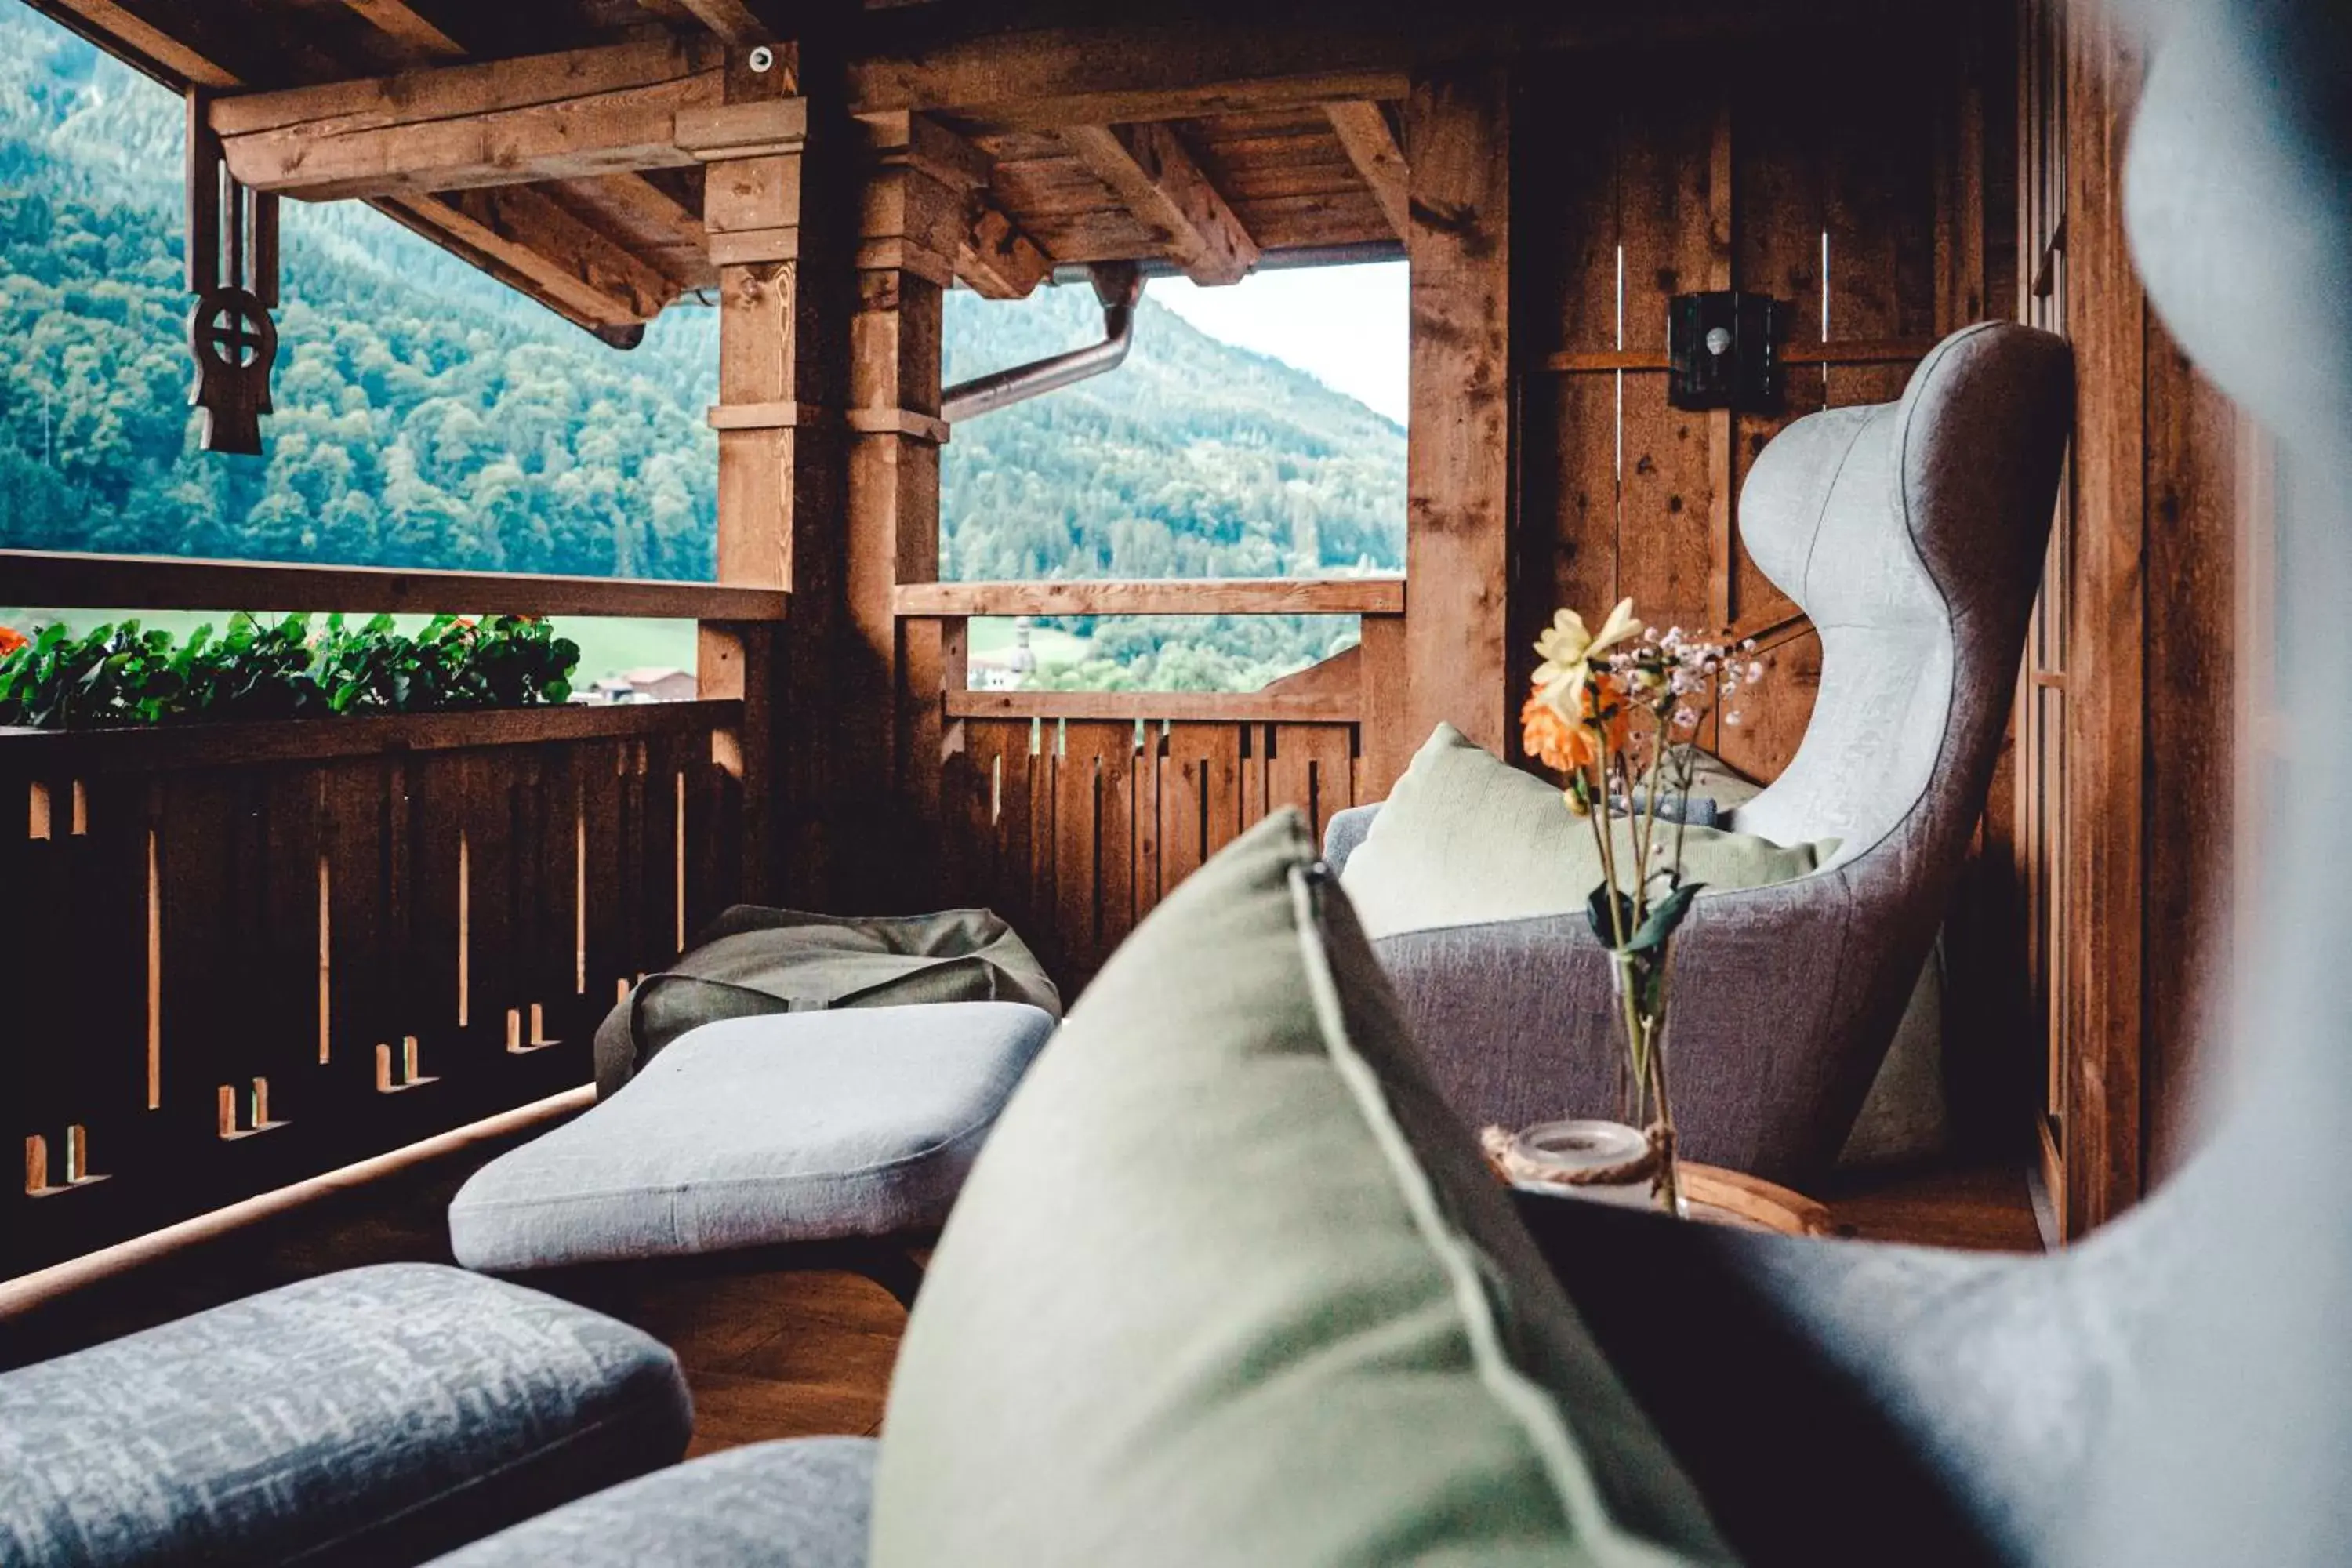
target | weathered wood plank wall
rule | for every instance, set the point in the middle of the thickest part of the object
(1753, 173)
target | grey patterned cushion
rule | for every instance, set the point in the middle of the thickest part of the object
(754, 1131)
(376, 1415)
(797, 1504)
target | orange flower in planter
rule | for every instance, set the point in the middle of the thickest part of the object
(11, 640)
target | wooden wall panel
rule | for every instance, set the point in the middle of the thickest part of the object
(1879, 191)
(1778, 144)
(1674, 244)
(1817, 152)
(2195, 731)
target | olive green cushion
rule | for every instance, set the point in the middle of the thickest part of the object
(1466, 839)
(1230, 1285)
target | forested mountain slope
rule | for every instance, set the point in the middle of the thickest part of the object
(428, 416)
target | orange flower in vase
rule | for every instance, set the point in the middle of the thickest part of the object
(1570, 745)
(11, 640)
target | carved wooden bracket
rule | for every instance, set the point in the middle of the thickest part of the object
(233, 273)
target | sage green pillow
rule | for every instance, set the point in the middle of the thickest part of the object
(1229, 1284)
(1464, 838)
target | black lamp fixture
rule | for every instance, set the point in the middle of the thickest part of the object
(1723, 351)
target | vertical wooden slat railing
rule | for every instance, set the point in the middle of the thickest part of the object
(1073, 814)
(237, 957)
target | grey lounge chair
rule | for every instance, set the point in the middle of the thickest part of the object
(2177, 1389)
(378, 1416)
(1912, 534)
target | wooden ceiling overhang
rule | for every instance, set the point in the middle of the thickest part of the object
(560, 145)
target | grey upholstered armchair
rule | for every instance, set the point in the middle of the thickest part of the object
(1912, 534)
(2176, 1388)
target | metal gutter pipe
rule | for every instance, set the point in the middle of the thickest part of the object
(1118, 285)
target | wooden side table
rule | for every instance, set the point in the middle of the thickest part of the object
(1714, 1196)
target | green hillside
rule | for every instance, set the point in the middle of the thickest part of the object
(428, 416)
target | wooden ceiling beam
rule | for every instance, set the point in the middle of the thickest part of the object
(643, 218)
(520, 234)
(477, 87)
(730, 20)
(562, 116)
(592, 281)
(1363, 130)
(652, 206)
(647, 210)
(165, 51)
(1050, 78)
(1014, 66)
(1147, 167)
(399, 20)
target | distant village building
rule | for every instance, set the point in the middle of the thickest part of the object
(1004, 671)
(653, 684)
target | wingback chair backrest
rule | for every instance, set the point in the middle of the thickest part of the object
(2231, 1441)
(1912, 534)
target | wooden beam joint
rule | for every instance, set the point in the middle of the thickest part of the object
(1371, 146)
(1147, 167)
(909, 422)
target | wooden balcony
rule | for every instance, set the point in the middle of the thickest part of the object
(249, 955)
(244, 955)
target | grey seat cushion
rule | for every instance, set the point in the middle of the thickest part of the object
(377, 1416)
(754, 1131)
(801, 1503)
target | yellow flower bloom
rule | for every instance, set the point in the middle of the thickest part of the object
(1569, 650)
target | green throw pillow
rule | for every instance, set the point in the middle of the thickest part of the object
(1230, 1284)
(1464, 838)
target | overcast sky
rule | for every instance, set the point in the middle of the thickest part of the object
(1344, 325)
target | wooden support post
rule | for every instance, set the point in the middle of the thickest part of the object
(2107, 767)
(1458, 454)
(913, 209)
(776, 228)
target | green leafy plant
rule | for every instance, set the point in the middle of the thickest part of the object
(284, 669)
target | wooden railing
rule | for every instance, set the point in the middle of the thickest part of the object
(61, 581)
(238, 956)
(1073, 814)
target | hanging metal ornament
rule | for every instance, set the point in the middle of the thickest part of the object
(233, 272)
